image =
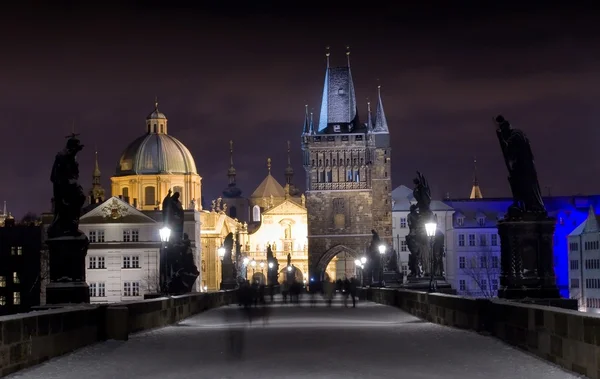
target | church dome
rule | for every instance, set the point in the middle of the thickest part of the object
(156, 153)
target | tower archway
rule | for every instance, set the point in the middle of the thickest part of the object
(348, 269)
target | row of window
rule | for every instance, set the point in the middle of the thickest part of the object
(592, 264)
(129, 235)
(98, 289)
(484, 262)
(483, 240)
(592, 283)
(129, 261)
(16, 279)
(460, 221)
(16, 299)
(574, 246)
(482, 285)
(591, 245)
(592, 303)
(574, 264)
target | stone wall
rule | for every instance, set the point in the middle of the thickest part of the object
(31, 338)
(568, 338)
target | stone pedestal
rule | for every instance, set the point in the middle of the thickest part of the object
(527, 259)
(67, 270)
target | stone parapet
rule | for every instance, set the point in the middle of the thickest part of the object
(566, 337)
(31, 338)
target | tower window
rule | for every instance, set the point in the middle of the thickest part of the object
(336, 128)
(256, 213)
(154, 128)
(341, 91)
(150, 195)
(125, 192)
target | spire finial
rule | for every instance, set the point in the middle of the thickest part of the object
(231, 153)
(288, 153)
(269, 165)
(379, 90)
(155, 103)
(475, 181)
(312, 127)
(348, 55)
(327, 53)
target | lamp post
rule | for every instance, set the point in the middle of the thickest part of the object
(262, 267)
(363, 262)
(270, 266)
(253, 265)
(381, 255)
(165, 234)
(430, 228)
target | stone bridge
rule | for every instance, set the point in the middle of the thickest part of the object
(391, 334)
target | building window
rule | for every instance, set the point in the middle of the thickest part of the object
(92, 287)
(462, 285)
(2, 281)
(574, 283)
(19, 250)
(256, 213)
(574, 246)
(131, 288)
(461, 240)
(471, 239)
(592, 264)
(591, 245)
(494, 284)
(180, 190)
(2, 300)
(483, 262)
(592, 283)
(481, 221)
(92, 263)
(495, 262)
(96, 235)
(16, 298)
(150, 196)
(482, 240)
(92, 235)
(403, 246)
(16, 278)
(101, 290)
(494, 241)
(125, 193)
(96, 262)
(574, 265)
(484, 285)
(460, 221)
(131, 261)
(97, 290)
(100, 262)
(13, 250)
(462, 262)
(403, 222)
(404, 270)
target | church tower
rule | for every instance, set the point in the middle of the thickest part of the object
(348, 167)
(97, 192)
(238, 206)
(476, 190)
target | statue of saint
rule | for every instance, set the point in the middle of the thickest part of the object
(68, 194)
(173, 215)
(228, 245)
(422, 193)
(522, 175)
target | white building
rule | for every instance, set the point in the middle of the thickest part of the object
(584, 263)
(402, 199)
(122, 262)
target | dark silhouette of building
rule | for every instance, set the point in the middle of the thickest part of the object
(20, 271)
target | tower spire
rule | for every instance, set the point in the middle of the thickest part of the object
(369, 117)
(306, 128)
(97, 192)
(231, 171)
(381, 125)
(327, 53)
(475, 190)
(269, 165)
(4, 209)
(312, 125)
(156, 103)
(348, 55)
(289, 171)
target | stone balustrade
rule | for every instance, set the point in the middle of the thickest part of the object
(568, 338)
(30, 338)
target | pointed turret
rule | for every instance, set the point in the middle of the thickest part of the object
(306, 127)
(97, 192)
(232, 190)
(591, 224)
(289, 171)
(339, 112)
(369, 117)
(475, 191)
(312, 124)
(381, 125)
(156, 122)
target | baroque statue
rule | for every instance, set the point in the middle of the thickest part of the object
(68, 195)
(522, 175)
(172, 211)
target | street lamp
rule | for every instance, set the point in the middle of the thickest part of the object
(381, 255)
(271, 265)
(164, 233)
(221, 252)
(289, 268)
(245, 261)
(430, 229)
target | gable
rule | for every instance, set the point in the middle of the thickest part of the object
(285, 208)
(115, 210)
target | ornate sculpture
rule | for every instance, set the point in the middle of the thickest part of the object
(522, 175)
(422, 193)
(185, 271)
(272, 271)
(228, 245)
(172, 211)
(68, 194)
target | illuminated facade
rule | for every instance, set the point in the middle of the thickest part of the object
(154, 163)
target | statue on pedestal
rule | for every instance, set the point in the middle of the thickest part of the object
(172, 212)
(228, 272)
(67, 245)
(273, 272)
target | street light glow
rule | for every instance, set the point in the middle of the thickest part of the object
(289, 268)
(245, 261)
(363, 260)
(430, 228)
(221, 252)
(381, 249)
(262, 265)
(271, 264)
(357, 262)
(164, 233)
(253, 263)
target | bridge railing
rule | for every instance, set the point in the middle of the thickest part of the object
(565, 337)
(30, 338)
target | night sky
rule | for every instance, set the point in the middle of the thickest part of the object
(246, 75)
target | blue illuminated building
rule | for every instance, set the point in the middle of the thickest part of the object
(569, 211)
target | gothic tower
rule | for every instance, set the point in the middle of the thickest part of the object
(348, 167)
(475, 190)
(97, 192)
